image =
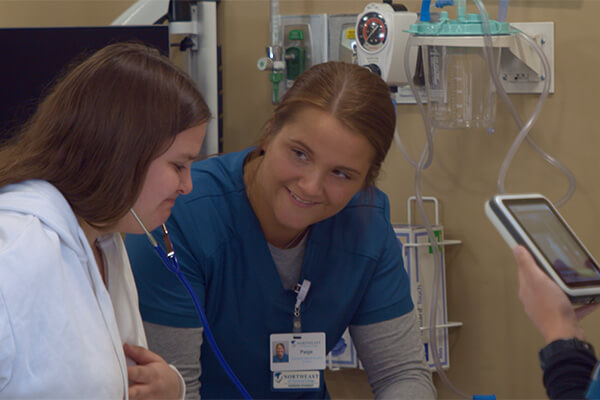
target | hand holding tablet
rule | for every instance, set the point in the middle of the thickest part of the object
(532, 221)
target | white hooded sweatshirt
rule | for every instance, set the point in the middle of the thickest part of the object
(61, 329)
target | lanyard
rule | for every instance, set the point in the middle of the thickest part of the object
(302, 291)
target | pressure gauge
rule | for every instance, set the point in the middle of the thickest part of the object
(372, 31)
(381, 40)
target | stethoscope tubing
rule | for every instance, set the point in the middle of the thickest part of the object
(173, 265)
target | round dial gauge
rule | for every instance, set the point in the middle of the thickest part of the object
(372, 31)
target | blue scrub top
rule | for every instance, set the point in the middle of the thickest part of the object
(353, 260)
(285, 358)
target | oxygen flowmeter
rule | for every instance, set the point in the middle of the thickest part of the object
(381, 38)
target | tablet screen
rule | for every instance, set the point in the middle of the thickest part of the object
(562, 250)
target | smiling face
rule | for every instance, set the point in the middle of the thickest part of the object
(279, 351)
(168, 176)
(309, 171)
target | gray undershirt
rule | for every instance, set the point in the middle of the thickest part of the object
(289, 263)
(391, 351)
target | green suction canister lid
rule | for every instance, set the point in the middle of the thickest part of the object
(470, 25)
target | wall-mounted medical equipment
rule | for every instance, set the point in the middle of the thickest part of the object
(459, 85)
(304, 44)
(295, 54)
(381, 34)
(521, 69)
(301, 41)
(341, 38)
(460, 90)
(458, 63)
(418, 257)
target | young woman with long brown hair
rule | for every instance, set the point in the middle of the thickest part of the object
(119, 131)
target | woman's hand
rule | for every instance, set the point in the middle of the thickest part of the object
(545, 303)
(152, 378)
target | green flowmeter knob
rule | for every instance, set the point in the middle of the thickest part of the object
(295, 60)
(296, 34)
(295, 54)
(276, 77)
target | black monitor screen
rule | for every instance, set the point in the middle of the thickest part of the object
(30, 59)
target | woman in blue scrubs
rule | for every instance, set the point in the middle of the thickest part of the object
(300, 206)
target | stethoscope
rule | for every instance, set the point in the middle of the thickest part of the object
(169, 259)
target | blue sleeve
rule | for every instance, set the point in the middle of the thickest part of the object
(163, 298)
(388, 294)
(593, 390)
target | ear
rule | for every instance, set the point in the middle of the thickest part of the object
(266, 143)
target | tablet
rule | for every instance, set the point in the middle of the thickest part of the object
(532, 221)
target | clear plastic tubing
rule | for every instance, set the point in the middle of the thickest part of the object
(275, 23)
(427, 152)
(524, 128)
(427, 155)
(425, 159)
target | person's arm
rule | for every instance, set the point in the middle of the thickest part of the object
(567, 363)
(567, 368)
(181, 348)
(384, 327)
(393, 355)
(545, 303)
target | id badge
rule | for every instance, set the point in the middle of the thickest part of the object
(297, 361)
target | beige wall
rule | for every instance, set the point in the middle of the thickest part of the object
(24, 13)
(496, 349)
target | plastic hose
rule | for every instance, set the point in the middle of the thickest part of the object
(425, 159)
(429, 129)
(174, 267)
(425, 16)
(502, 10)
(524, 128)
(275, 23)
(426, 156)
